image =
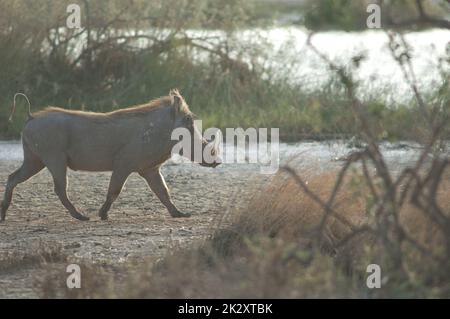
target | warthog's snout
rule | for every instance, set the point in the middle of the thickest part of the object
(214, 164)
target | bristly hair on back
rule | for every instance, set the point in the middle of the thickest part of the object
(137, 110)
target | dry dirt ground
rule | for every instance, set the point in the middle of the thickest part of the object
(138, 225)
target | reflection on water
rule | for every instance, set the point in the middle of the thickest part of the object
(378, 73)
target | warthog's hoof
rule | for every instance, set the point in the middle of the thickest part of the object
(80, 217)
(2, 212)
(103, 214)
(178, 214)
(84, 218)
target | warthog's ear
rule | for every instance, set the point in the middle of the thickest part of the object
(177, 100)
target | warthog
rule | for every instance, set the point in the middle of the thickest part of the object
(134, 139)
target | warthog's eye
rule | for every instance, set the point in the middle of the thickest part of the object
(188, 120)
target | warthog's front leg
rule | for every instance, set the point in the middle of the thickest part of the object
(157, 184)
(116, 183)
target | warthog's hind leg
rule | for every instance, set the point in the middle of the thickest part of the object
(31, 166)
(57, 166)
(116, 183)
(158, 185)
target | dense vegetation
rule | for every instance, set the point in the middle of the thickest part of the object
(108, 64)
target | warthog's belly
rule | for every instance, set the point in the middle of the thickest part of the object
(91, 166)
(92, 160)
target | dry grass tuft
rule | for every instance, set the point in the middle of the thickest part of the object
(269, 251)
(37, 255)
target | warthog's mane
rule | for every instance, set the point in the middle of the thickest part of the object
(137, 110)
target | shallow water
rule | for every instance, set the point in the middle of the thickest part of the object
(303, 155)
(378, 73)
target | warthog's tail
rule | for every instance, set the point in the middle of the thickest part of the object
(14, 107)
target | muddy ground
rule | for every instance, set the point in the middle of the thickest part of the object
(138, 226)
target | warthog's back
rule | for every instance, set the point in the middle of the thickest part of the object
(93, 141)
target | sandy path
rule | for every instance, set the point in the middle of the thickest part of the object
(139, 226)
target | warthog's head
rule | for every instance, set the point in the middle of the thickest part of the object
(197, 148)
